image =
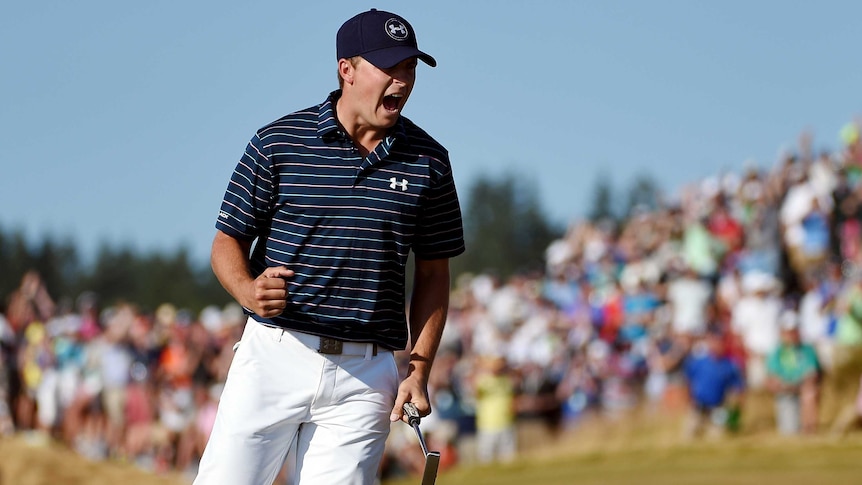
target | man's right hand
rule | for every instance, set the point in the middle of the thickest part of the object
(269, 292)
(265, 295)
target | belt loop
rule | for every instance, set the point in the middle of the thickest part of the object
(281, 334)
(369, 351)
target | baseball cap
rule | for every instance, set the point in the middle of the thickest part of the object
(381, 38)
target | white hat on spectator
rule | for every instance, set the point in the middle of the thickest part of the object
(710, 187)
(211, 318)
(232, 314)
(758, 281)
(788, 320)
(730, 183)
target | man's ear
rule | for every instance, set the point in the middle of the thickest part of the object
(346, 70)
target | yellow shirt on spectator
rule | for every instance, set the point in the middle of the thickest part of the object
(495, 402)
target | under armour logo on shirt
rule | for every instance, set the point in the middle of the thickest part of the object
(393, 182)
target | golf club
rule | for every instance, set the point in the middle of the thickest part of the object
(432, 458)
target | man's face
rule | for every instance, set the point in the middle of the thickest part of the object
(789, 337)
(716, 344)
(382, 93)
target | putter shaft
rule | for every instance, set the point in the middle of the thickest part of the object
(432, 458)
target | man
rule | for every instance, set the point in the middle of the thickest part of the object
(496, 434)
(715, 385)
(336, 196)
(755, 321)
(793, 379)
(689, 295)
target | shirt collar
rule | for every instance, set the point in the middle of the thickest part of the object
(327, 124)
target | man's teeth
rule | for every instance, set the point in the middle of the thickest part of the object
(393, 101)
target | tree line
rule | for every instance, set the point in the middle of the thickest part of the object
(506, 232)
(117, 274)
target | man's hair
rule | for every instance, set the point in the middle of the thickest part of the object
(353, 62)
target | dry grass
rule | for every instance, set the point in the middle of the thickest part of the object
(31, 460)
(648, 448)
(645, 448)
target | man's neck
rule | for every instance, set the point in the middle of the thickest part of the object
(363, 136)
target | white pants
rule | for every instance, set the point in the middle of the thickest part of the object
(280, 393)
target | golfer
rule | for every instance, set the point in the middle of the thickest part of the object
(313, 238)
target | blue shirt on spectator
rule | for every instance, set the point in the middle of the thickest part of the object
(711, 378)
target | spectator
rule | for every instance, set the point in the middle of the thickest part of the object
(666, 381)
(715, 386)
(804, 222)
(36, 363)
(755, 320)
(724, 227)
(495, 412)
(794, 375)
(814, 318)
(761, 251)
(30, 302)
(689, 296)
(701, 251)
(69, 354)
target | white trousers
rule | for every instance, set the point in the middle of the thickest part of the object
(281, 393)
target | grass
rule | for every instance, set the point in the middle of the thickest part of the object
(648, 449)
(29, 459)
(740, 463)
(643, 448)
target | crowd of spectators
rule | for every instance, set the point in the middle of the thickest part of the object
(743, 289)
(114, 382)
(741, 284)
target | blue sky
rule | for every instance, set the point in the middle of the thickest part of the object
(121, 122)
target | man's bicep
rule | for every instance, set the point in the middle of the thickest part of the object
(228, 245)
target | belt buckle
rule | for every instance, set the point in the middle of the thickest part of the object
(330, 346)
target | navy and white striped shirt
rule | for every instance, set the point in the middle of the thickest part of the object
(343, 223)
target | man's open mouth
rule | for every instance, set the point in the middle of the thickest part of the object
(392, 102)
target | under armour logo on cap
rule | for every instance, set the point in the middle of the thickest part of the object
(396, 29)
(381, 38)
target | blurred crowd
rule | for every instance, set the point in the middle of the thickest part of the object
(114, 382)
(735, 305)
(741, 285)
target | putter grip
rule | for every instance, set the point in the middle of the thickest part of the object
(412, 413)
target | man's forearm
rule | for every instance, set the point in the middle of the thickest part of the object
(428, 310)
(229, 260)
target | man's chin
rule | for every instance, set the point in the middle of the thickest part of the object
(389, 120)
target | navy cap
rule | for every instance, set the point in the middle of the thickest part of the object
(381, 38)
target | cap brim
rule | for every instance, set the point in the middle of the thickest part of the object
(390, 57)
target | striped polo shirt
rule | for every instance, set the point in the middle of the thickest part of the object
(344, 223)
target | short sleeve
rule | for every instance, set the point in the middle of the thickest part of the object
(247, 202)
(440, 232)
